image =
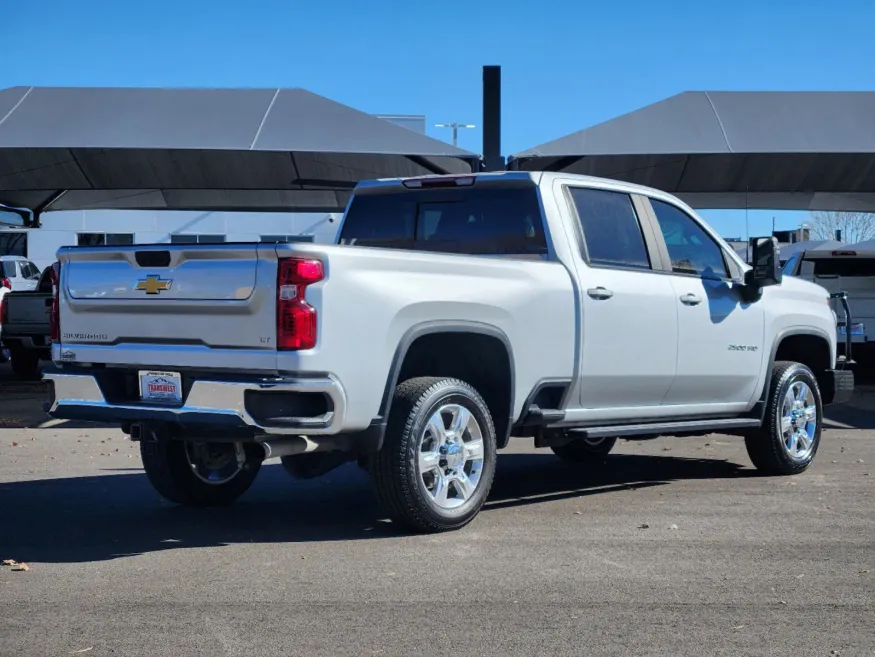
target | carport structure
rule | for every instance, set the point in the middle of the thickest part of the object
(728, 150)
(280, 150)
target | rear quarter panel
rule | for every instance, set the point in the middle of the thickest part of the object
(371, 298)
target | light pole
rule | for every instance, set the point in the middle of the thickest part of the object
(455, 127)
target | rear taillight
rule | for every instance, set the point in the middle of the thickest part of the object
(55, 308)
(4, 311)
(5, 282)
(296, 320)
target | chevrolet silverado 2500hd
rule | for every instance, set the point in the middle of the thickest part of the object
(454, 313)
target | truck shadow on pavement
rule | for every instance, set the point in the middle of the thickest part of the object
(117, 513)
(858, 414)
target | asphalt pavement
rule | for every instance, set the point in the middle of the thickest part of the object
(673, 547)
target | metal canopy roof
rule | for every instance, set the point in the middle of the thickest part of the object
(772, 150)
(206, 149)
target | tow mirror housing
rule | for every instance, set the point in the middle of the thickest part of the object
(765, 265)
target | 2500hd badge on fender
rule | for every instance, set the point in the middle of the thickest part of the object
(454, 313)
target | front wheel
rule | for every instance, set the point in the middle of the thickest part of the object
(436, 466)
(199, 473)
(790, 435)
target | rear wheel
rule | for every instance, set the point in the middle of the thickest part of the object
(435, 468)
(25, 363)
(585, 450)
(198, 473)
(790, 435)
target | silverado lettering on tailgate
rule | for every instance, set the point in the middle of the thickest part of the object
(85, 336)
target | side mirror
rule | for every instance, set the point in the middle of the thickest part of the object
(766, 265)
(13, 218)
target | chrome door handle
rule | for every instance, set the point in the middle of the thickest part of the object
(599, 293)
(690, 299)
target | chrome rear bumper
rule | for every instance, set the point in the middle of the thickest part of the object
(209, 403)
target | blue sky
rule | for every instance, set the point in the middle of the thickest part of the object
(565, 64)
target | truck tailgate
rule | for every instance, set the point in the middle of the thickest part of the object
(175, 304)
(27, 312)
(861, 295)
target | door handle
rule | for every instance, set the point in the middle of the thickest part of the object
(599, 293)
(690, 299)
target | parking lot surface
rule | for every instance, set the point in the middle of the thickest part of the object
(673, 547)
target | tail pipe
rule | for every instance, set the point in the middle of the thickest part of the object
(303, 444)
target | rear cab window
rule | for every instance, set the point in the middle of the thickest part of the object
(840, 266)
(494, 219)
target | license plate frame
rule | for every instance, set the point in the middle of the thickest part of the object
(160, 387)
(857, 328)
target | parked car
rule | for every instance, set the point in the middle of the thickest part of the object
(844, 270)
(454, 313)
(26, 335)
(18, 274)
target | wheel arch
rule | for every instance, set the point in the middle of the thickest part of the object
(409, 361)
(807, 345)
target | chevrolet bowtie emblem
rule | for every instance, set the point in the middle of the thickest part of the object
(153, 285)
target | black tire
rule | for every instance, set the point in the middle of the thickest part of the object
(584, 450)
(25, 363)
(766, 446)
(395, 471)
(168, 470)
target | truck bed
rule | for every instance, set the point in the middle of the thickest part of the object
(212, 308)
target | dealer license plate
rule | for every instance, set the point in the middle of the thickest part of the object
(856, 329)
(161, 387)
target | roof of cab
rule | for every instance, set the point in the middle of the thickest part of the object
(538, 177)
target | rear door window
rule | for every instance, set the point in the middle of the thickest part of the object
(611, 228)
(499, 220)
(29, 271)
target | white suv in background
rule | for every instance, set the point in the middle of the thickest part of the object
(18, 273)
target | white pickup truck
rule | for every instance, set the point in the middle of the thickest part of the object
(454, 313)
(844, 271)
